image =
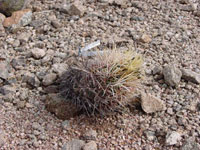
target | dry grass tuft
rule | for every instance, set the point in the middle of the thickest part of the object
(104, 83)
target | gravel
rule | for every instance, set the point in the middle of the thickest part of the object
(32, 55)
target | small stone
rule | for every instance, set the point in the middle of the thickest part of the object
(76, 8)
(29, 105)
(59, 68)
(38, 53)
(8, 93)
(120, 2)
(21, 104)
(7, 89)
(190, 144)
(31, 79)
(24, 37)
(189, 75)
(173, 138)
(18, 62)
(137, 18)
(170, 111)
(20, 18)
(36, 125)
(65, 124)
(74, 145)
(42, 137)
(150, 135)
(90, 146)
(90, 135)
(4, 69)
(172, 75)
(49, 79)
(36, 132)
(55, 24)
(145, 38)
(157, 70)
(140, 5)
(151, 104)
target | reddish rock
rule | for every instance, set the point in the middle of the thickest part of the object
(21, 18)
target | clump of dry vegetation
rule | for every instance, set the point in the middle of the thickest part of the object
(104, 83)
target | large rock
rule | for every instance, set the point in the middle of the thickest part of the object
(190, 76)
(19, 18)
(172, 75)
(7, 7)
(151, 104)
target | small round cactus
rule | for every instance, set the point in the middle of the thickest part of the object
(104, 83)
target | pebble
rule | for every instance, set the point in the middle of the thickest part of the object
(21, 104)
(74, 145)
(172, 75)
(55, 24)
(189, 75)
(90, 135)
(38, 53)
(151, 104)
(145, 38)
(31, 79)
(150, 135)
(76, 8)
(65, 124)
(49, 79)
(90, 146)
(173, 138)
(157, 70)
(4, 67)
(59, 68)
(24, 37)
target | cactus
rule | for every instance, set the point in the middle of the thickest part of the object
(103, 84)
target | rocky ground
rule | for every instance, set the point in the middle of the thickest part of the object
(36, 51)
